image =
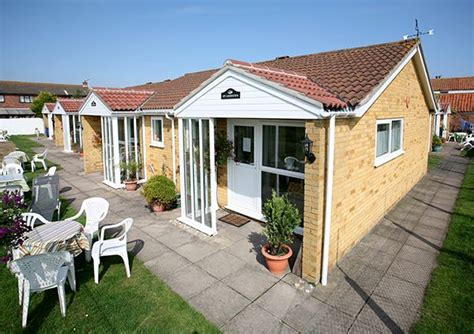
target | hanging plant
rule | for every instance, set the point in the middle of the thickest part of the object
(224, 149)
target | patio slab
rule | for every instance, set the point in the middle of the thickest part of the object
(377, 287)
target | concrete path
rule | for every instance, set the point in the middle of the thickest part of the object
(377, 287)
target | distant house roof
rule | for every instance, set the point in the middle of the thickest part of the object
(71, 105)
(337, 78)
(50, 106)
(33, 88)
(123, 99)
(169, 92)
(459, 102)
(16, 112)
(450, 84)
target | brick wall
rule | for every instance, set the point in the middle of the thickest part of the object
(92, 147)
(159, 160)
(58, 131)
(13, 101)
(364, 193)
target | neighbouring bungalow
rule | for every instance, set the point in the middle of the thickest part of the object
(67, 126)
(114, 132)
(455, 95)
(48, 119)
(364, 114)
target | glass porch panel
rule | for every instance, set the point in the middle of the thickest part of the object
(269, 146)
(196, 170)
(244, 144)
(139, 140)
(187, 168)
(207, 173)
(290, 149)
(284, 185)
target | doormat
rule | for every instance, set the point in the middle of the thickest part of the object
(235, 219)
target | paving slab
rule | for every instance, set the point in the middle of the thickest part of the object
(190, 281)
(221, 264)
(250, 282)
(167, 264)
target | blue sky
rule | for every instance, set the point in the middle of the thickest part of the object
(121, 43)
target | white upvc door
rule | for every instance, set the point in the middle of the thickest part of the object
(244, 191)
(66, 133)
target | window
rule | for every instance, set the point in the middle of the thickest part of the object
(389, 140)
(2, 98)
(157, 131)
(26, 98)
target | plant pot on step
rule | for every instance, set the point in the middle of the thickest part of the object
(131, 185)
(158, 207)
(277, 264)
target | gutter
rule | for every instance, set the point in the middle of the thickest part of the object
(167, 115)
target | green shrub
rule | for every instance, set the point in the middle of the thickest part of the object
(282, 218)
(224, 149)
(436, 141)
(159, 189)
(130, 170)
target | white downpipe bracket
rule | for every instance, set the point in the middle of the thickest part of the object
(173, 140)
(328, 208)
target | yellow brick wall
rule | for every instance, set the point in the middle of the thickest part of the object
(45, 121)
(159, 160)
(92, 148)
(221, 127)
(364, 193)
(58, 131)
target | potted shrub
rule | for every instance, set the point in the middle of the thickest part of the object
(282, 217)
(130, 169)
(159, 192)
(436, 144)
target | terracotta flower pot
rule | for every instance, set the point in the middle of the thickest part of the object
(130, 185)
(276, 264)
(81, 154)
(157, 207)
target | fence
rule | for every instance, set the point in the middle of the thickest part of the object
(21, 126)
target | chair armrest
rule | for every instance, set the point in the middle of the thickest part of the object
(77, 215)
(107, 227)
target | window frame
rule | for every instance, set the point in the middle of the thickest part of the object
(378, 161)
(2, 98)
(155, 143)
(26, 98)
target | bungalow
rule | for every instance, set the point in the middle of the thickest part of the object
(345, 134)
(48, 119)
(457, 96)
(114, 131)
(67, 129)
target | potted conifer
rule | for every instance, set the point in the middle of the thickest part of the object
(282, 217)
(130, 169)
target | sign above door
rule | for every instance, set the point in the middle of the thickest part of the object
(230, 94)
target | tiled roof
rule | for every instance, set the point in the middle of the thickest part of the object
(33, 88)
(343, 77)
(71, 105)
(14, 112)
(459, 102)
(123, 99)
(446, 84)
(350, 74)
(169, 92)
(293, 81)
(50, 106)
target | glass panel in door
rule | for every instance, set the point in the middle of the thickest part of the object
(244, 144)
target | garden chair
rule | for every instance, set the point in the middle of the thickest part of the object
(42, 272)
(32, 218)
(12, 169)
(45, 196)
(51, 171)
(111, 247)
(39, 158)
(95, 210)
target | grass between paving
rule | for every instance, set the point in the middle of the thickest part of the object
(433, 161)
(141, 303)
(448, 306)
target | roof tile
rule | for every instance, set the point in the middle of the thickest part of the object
(446, 84)
(71, 105)
(459, 102)
(123, 99)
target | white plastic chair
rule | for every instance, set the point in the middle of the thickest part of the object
(31, 218)
(39, 158)
(43, 272)
(51, 171)
(111, 247)
(95, 209)
(12, 169)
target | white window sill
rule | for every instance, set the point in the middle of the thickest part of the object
(379, 161)
(159, 145)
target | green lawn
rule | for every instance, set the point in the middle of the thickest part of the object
(433, 161)
(141, 303)
(449, 300)
(25, 144)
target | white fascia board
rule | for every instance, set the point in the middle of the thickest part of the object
(58, 109)
(104, 111)
(45, 109)
(153, 112)
(368, 101)
(312, 109)
(426, 82)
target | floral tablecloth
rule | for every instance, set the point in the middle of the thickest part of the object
(54, 237)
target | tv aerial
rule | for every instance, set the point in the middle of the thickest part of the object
(418, 32)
